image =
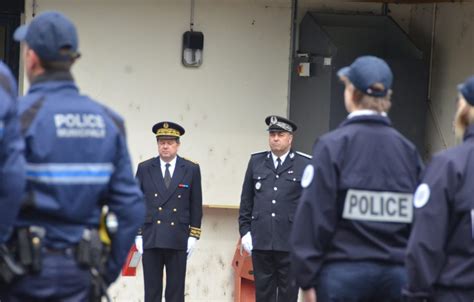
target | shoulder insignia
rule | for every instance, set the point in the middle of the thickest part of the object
(304, 154)
(196, 163)
(259, 153)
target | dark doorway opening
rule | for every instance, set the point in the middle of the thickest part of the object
(10, 17)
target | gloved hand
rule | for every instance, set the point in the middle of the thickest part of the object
(191, 245)
(247, 243)
(139, 243)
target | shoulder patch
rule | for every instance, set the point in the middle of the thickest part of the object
(422, 196)
(304, 154)
(196, 163)
(308, 175)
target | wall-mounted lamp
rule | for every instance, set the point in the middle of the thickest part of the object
(193, 44)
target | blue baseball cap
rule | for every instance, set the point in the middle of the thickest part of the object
(467, 90)
(369, 74)
(51, 35)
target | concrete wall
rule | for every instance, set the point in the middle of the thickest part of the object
(131, 61)
(453, 62)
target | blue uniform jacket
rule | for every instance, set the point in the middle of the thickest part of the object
(77, 160)
(362, 174)
(269, 199)
(172, 214)
(440, 252)
(12, 162)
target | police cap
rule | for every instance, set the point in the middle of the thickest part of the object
(51, 35)
(467, 90)
(371, 75)
(278, 123)
(167, 130)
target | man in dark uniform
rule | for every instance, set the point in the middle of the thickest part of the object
(77, 161)
(354, 217)
(270, 193)
(12, 161)
(440, 254)
(172, 188)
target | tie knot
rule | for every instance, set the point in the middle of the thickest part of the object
(278, 160)
(167, 165)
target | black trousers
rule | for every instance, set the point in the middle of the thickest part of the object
(154, 260)
(273, 281)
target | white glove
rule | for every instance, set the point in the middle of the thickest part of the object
(247, 243)
(139, 243)
(191, 245)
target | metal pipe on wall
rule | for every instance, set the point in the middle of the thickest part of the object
(292, 53)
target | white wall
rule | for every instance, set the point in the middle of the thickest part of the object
(131, 61)
(453, 62)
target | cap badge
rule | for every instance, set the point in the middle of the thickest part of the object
(165, 125)
(273, 120)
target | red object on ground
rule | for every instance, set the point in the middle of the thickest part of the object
(243, 275)
(129, 268)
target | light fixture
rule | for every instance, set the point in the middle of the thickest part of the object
(193, 44)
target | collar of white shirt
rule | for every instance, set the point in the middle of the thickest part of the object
(283, 157)
(171, 168)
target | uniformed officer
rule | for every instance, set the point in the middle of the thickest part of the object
(270, 193)
(353, 220)
(12, 161)
(172, 188)
(77, 160)
(440, 255)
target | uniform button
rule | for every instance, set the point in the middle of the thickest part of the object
(156, 194)
(275, 188)
(175, 210)
(172, 223)
(294, 179)
(158, 221)
(160, 209)
(277, 176)
(259, 177)
(273, 214)
(274, 201)
(179, 196)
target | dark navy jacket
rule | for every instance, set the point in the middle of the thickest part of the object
(366, 156)
(12, 162)
(269, 199)
(77, 160)
(172, 214)
(441, 248)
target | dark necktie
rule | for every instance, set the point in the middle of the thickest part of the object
(167, 176)
(278, 164)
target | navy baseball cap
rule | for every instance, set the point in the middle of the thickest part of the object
(467, 90)
(51, 35)
(369, 74)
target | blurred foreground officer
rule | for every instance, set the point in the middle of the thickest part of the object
(440, 255)
(353, 221)
(172, 188)
(77, 160)
(270, 193)
(12, 162)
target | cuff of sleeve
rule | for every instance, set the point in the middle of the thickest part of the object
(195, 232)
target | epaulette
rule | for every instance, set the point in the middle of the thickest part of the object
(304, 154)
(259, 152)
(191, 161)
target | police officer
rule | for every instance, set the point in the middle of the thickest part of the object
(12, 162)
(440, 255)
(172, 188)
(271, 190)
(353, 221)
(77, 160)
